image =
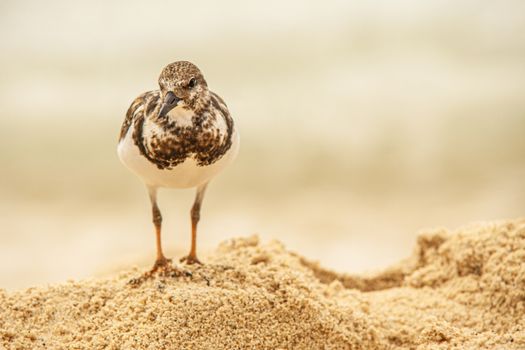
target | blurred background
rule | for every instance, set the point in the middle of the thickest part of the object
(361, 123)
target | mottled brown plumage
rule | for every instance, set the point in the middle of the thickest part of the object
(201, 140)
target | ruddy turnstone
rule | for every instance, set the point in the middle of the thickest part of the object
(179, 136)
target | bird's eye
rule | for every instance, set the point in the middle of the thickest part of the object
(192, 83)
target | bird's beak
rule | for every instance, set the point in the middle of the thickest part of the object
(170, 102)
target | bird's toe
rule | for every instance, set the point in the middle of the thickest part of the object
(191, 260)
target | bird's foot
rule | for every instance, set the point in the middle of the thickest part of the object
(190, 260)
(163, 268)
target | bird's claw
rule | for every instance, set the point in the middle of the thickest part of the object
(190, 260)
(163, 268)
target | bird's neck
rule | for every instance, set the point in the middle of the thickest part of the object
(200, 105)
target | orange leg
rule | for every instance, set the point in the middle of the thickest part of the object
(157, 221)
(162, 264)
(191, 258)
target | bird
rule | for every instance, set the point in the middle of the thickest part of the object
(181, 136)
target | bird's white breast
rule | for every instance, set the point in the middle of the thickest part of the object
(184, 175)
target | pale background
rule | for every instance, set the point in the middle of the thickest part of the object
(361, 123)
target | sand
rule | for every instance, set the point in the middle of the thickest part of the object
(459, 290)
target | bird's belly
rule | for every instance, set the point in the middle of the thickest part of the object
(184, 175)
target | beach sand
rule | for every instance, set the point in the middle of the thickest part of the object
(458, 290)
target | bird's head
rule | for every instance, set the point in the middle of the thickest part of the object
(182, 85)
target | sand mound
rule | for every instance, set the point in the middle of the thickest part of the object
(457, 291)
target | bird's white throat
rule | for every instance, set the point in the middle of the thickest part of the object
(181, 116)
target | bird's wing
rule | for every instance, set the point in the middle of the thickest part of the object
(146, 102)
(219, 104)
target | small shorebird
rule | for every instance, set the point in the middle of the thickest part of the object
(179, 136)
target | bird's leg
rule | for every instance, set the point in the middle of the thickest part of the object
(162, 264)
(161, 260)
(191, 258)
